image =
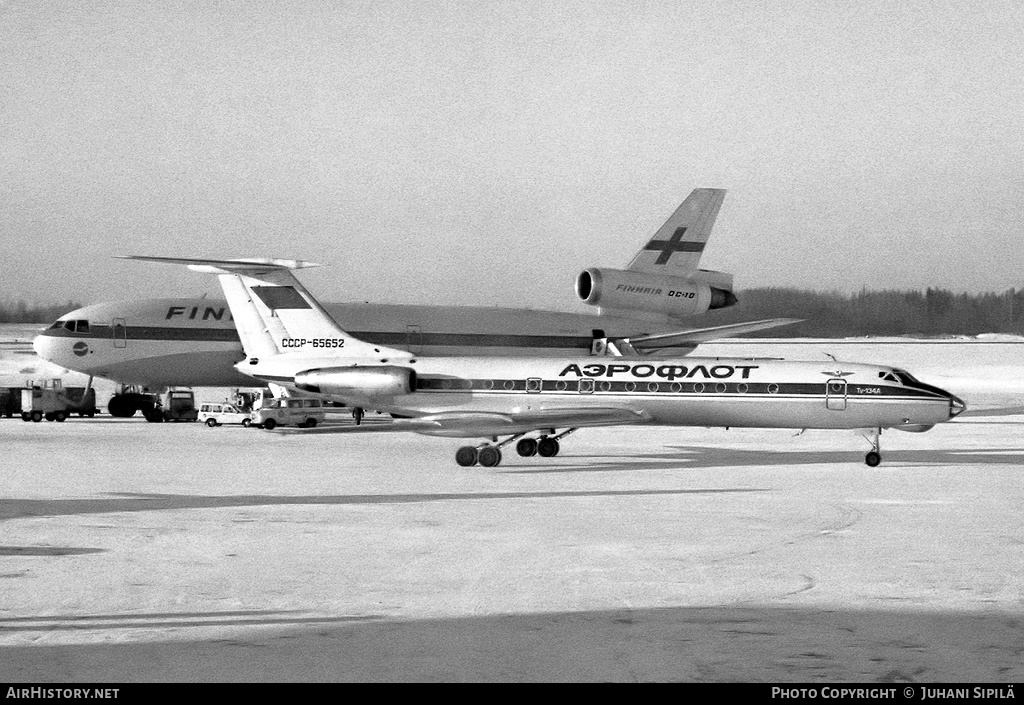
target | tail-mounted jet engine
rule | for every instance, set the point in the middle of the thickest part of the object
(656, 293)
(358, 383)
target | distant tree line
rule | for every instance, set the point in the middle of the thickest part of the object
(933, 312)
(21, 312)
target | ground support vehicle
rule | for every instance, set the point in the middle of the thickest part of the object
(218, 413)
(175, 405)
(54, 402)
(10, 401)
(289, 411)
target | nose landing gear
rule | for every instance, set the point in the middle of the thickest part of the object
(874, 456)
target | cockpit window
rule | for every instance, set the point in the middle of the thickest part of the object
(57, 324)
(890, 377)
(74, 326)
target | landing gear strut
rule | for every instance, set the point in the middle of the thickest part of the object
(874, 456)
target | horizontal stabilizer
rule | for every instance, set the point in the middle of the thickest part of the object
(471, 424)
(703, 335)
(231, 266)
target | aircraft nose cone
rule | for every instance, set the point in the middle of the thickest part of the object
(43, 347)
(956, 406)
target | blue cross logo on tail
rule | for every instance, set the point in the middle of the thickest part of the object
(672, 245)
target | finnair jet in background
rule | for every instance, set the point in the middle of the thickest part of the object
(158, 343)
(291, 340)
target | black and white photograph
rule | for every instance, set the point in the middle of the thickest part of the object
(512, 341)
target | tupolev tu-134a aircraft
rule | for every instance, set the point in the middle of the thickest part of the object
(290, 340)
(159, 343)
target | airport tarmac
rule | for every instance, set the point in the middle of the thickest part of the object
(175, 552)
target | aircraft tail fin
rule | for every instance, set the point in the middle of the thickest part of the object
(273, 312)
(678, 244)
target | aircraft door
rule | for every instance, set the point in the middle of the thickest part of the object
(413, 339)
(120, 333)
(835, 394)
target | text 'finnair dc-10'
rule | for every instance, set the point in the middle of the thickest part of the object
(158, 343)
(291, 340)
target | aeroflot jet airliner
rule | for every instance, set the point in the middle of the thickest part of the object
(159, 343)
(291, 340)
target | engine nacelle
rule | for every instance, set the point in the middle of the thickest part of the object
(656, 293)
(378, 382)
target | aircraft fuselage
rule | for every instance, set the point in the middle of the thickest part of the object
(193, 342)
(691, 391)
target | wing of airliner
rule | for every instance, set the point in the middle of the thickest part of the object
(471, 424)
(703, 335)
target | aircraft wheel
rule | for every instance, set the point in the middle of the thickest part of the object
(154, 416)
(270, 424)
(246, 423)
(527, 447)
(547, 447)
(873, 459)
(37, 416)
(466, 456)
(49, 416)
(121, 407)
(212, 423)
(25, 416)
(489, 456)
(59, 416)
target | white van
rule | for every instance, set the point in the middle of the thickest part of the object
(221, 413)
(305, 413)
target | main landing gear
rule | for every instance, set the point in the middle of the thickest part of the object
(490, 455)
(874, 456)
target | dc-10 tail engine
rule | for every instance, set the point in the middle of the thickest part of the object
(656, 293)
(358, 384)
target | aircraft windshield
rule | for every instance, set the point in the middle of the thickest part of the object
(79, 326)
(907, 377)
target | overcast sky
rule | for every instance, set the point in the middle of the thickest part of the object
(485, 152)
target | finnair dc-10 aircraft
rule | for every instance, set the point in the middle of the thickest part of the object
(290, 340)
(159, 343)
